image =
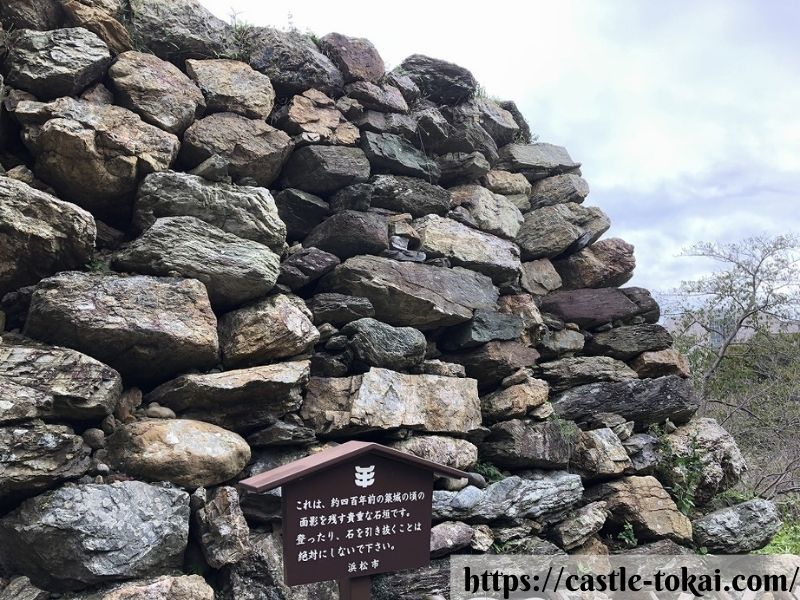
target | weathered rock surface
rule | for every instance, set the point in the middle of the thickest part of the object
(644, 401)
(121, 321)
(469, 248)
(438, 80)
(536, 161)
(156, 90)
(540, 495)
(232, 86)
(248, 212)
(338, 309)
(293, 63)
(521, 444)
(514, 402)
(94, 154)
(356, 58)
(325, 169)
(567, 373)
(494, 361)
(277, 327)
(559, 189)
(644, 450)
(184, 452)
(738, 529)
(376, 344)
(164, 587)
(80, 535)
(524, 307)
(313, 118)
(556, 344)
(646, 505)
(384, 399)
(449, 451)
(579, 526)
(234, 270)
(449, 537)
(539, 277)
(485, 326)
(461, 167)
(251, 147)
(282, 433)
(350, 233)
(24, 14)
(306, 266)
(60, 62)
(383, 98)
(628, 341)
(37, 457)
(221, 528)
(41, 235)
(240, 400)
(389, 153)
(507, 184)
(300, 211)
(661, 363)
(101, 19)
(412, 294)
(714, 455)
(491, 212)
(591, 308)
(599, 454)
(563, 228)
(607, 263)
(405, 195)
(55, 384)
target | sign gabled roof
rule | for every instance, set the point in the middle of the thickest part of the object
(303, 467)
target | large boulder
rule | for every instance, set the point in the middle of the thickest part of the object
(182, 451)
(94, 154)
(579, 370)
(417, 295)
(276, 327)
(389, 153)
(599, 454)
(313, 118)
(449, 451)
(306, 266)
(558, 189)
(40, 382)
(162, 587)
(232, 86)
(449, 537)
(250, 147)
(515, 401)
(240, 400)
(101, 18)
(738, 529)
(592, 308)
(628, 341)
(300, 211)
(469, 248)
(541, 495)
(81, 535)
(438, 80)
(36, 457)
(325, 169)
(644, 401)
(186, 29)
(338, 309)
(41, 235)
(356, 58)
(539, 277)
(248, 212)
(147, 328)
(383, 98)
(607, 263)
(485, 326)
(376, 344)
(521, 444)
(405, 195)
(646, 505)
(536, 161)
(156, 90)
(31, 14)
(563, 228)
(494, 361)
(579, 526)
(50, 64)
(660, 363)
(234, 270)
(498, 122)
(366, 233)
(382, 399)
(491, 212)
(220, 526)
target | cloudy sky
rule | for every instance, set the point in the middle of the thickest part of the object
(685, 115)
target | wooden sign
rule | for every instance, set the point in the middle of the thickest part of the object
(353, 511)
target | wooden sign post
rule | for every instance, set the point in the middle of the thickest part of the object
(353, 511)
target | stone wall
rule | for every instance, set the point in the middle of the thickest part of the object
(232, 246)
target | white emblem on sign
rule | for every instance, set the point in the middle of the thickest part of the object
(365, 476)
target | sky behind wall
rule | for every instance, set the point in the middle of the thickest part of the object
(685, 115)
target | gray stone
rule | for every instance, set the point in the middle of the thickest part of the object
(338, 309)
(494, 361)
(350, 233)
(122, 321)
(592, 308)
(277, 327)
(450, 537)
(383, 98)
(305, 267)
(412, 294)
(738, 529)
(21, 588)
(644, 451)
(41, 235)
(445, 369)
(377, 344)
(232, 86)
(388, 153)
(405, 195)
(496, 120)
(558, 189)
(438, 80)
(221, 528)
(541, 495)
(282, 433)
(449, 451)
(356, 58)
(28, 14)
(81, 535)
(536, 161)
(563, 228)
(515, 401)
(484, 326)
(164, 587)
(628, 341)
(644, 401)
(607, 263)
(599, 454)
(240, 400)
(524, 307)
(300, 211)
(521, 444)
(325, 169)
(234, 270)
(37, 457)
(462, 167)
(185, 452)
(507, 184)
(383, 399)
(539, 277)
(492, 212)
(570, 372)
(156, 90)
(556, 344)
(395, 123)
(579, 525)
(247, 212)
(50, 64)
